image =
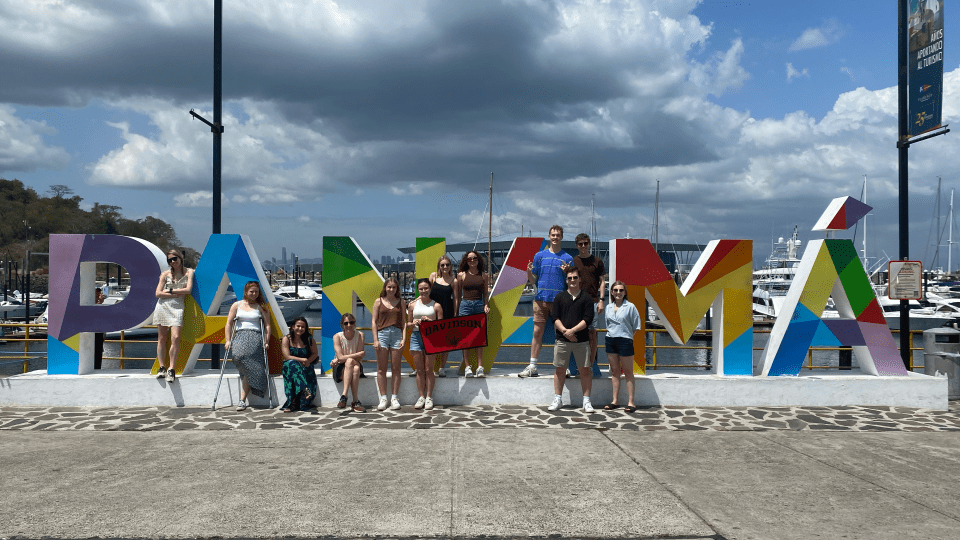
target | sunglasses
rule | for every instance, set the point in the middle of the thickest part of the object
(619, 290)
(444, 265)
(173, 259)
(471, 258)
(573, 278)
(582, 244)
(349, 323)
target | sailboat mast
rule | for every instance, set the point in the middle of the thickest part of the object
(656, 220)
(593, 224)
(950, 237)
(490, 229)
(866, 264)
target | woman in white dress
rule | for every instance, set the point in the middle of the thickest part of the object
(175, 284)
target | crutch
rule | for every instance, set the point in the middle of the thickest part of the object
(266, 363)
(223, 365)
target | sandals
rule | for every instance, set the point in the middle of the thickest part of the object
(343, 402)
(357, 407)
(611, 407)
(629, 408)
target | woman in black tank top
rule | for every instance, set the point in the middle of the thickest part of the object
(445, 291)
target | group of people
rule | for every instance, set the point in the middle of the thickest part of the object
(442, 295)
(570, 293)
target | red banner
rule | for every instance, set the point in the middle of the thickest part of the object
(453, 334)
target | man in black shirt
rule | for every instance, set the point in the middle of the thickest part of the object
(592, 271)
(572, 311)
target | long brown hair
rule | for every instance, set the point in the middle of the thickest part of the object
(464, 265)
(260, 299)
(383, 292)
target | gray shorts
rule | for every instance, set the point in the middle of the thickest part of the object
(562, 350)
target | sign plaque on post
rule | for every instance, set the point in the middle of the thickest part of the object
(906, 280)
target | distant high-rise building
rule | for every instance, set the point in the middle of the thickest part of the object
(283, 253)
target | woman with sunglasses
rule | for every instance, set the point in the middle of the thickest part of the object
(348, 347)
(444, 290)
(417, 311)
(299, 356)
(474, 285)
(389, 332)
(623, 320)
(175, 284)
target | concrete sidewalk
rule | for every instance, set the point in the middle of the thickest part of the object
(468, 482)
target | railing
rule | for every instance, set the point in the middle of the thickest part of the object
(22, 333)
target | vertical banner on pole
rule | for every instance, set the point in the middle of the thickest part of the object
(926, 65)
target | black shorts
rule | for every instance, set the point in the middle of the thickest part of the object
(619, 346)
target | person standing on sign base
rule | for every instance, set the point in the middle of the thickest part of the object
(572, 314)
(444, 290)
(418, 310)
(546, 270)
(591, 281)
(98, 337)
(623, 321)
(247, 342)
(474, 288)
(175, 284)
(389, 333)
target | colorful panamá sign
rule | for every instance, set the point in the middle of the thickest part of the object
(719, 283)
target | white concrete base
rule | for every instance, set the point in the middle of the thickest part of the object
(131, 388)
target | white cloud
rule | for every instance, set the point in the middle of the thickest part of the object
(849, 72)
(811, 38)
(22, 147)
(793, 73)
(303, 219)
(198, 199)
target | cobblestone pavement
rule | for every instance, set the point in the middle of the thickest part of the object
(503, 416)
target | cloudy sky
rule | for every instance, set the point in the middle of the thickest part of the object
(383, 120)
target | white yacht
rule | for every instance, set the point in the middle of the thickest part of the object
(771, 283)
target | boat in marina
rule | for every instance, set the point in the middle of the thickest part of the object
(771, 283)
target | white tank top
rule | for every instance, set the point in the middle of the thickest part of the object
(248, 320)
(425, 311)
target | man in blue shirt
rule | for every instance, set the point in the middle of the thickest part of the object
(547, 271)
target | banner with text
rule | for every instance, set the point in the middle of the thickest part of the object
(926, 65)
(452, 334)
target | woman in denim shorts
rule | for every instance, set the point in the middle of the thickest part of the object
(420, 310)
(623, 320)
(389, 331)
(474, 287)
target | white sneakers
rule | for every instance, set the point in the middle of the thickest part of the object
(440, 373)
(587, 406)
(394, 404)
(468, 373)
(529, 371)
(480, 374)
(428, 404)
(557, 403)
(242, 405)
(420, 402)
(382, 406)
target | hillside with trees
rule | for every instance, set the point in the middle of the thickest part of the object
(27, 219)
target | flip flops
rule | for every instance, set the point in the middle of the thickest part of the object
(611, 407)
(629, 408)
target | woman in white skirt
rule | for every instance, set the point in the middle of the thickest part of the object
(246, 342)
(175, 284)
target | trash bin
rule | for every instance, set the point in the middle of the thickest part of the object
(941, 355)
